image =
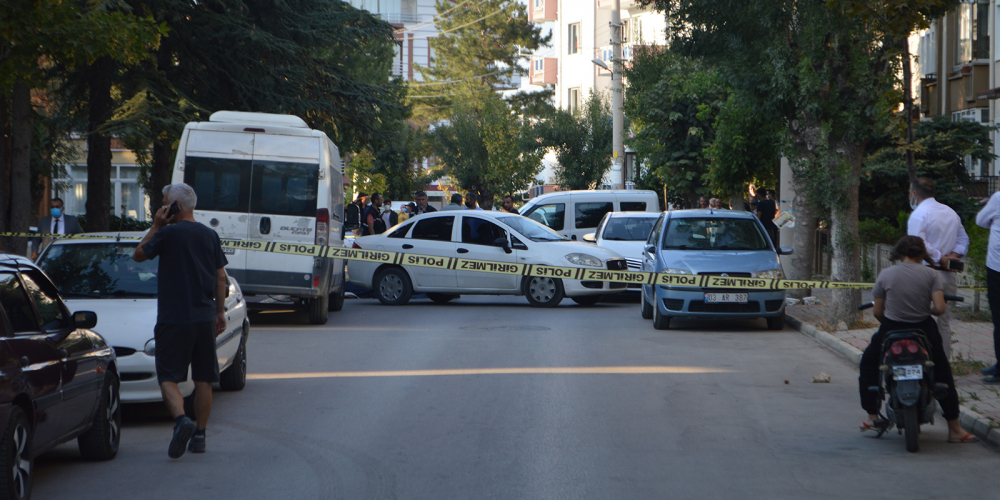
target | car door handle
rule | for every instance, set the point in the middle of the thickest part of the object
(265, 225)
(463, 250)
(574, 237)
(63, 353)
(407, 246)
(25, 361)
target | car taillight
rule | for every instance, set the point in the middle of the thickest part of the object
(322, 226)
(897, 348)
(356, 245)
(315, 281)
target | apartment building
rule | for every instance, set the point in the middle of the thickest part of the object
(415, 20)
(957, 72)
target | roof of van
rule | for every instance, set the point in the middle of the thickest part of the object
(257, 118)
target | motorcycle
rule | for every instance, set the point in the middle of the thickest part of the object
(907, 376)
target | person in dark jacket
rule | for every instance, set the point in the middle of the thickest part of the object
(57, 222)
(372, 222)
(767, 210)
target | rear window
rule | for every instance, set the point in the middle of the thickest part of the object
(284, 188)
(633, 206)
(590, 214)
(434, 228)
(222, 184)
(714, 234)
(400, 232)
(628, 228)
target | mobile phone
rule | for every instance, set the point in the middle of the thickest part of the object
(956, 265)
(174, 208)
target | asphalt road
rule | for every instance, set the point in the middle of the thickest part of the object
(460, 401)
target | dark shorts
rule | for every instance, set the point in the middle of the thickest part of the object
(180, 346)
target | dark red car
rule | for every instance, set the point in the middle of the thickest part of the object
(58, 379)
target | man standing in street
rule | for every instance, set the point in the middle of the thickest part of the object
(989, 217)
(57, 222)
(508, 205)
(422, 207)
(941, 229)
(389, 216)
(353, 212)
(456, 203)
(471, 203)
(190, 310)
(372, 222)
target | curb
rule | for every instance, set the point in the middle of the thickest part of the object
(971, 421)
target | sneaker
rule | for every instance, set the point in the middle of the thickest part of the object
(990, 371)
(197, 444)
(182, 434)
(992, 380)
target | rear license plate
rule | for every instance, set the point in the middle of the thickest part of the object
(229, 251)
(737, 298)
(908, 372)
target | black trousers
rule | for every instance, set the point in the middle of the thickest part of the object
(993, 294)
(870, 362)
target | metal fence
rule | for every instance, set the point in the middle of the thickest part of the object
(983, 186)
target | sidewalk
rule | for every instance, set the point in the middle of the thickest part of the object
(971, 351)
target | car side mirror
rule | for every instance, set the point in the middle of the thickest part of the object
(502, 243)
(85, 319)
(649, 249)
(590, 238)
(785, 250)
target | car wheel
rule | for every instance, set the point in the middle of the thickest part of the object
(543, 291)
(776, 322)
(660, 321)
(15, 450)
(442, 298)
(587, 300)
(101, 441)
(337, 299)
(318, 309)
(647, 308)
(235, 377)
(392, 287)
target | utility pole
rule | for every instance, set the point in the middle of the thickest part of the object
(617, 99)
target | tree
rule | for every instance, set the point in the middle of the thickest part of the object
(489, 151)
(397, 161)
(582, 141)
(746, 149)
(362, 175)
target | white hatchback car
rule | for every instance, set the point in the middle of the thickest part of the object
(99, 275)
(625, 233)
(481, 235)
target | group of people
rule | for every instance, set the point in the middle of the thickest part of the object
(372, 215)
(764, 207)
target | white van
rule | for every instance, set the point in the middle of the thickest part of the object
(268, 177)
(585, 209)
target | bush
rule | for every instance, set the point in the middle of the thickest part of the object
(126, 224)
(872, 231)
(979, 238)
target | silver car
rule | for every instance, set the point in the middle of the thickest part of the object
(713, 242)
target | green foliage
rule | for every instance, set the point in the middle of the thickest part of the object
(979, 238)
(582, 142)
(120, 223)
(396, 161)
(489, 151)
(746, 148)
(362, 175)
(940, 147)
(872, 231)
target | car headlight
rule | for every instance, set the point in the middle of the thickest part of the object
(775, 274)
(671, 270)
(582, 259)
(150, 348)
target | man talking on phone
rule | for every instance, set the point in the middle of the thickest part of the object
(941, 229)
(191, 295)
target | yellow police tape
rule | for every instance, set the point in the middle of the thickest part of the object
(462, 264)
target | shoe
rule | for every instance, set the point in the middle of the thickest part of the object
(966, 439)
(990, 371)
(182, 434)
(197, 444)
(992, 380)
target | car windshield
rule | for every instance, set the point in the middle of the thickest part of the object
(628, 228)
(99, 270)
(531, 229)
(714, 234)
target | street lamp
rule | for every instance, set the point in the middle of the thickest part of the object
(600, 63)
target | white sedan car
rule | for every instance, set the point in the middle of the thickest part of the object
(99, 275)
(625, 233)
(481, 235)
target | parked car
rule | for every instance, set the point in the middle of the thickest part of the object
(481, 235)
(269, 178)
(58, 378)
(100, 275)
(625, 233)
(576, 213)
(713, 242)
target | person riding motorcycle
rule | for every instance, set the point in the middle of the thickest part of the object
(902, 294)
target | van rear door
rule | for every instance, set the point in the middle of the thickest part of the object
(283, 202)
(218, 165)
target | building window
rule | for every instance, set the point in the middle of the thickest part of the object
(538, 4)
(573, 103)
(973, 31)
(574, 38)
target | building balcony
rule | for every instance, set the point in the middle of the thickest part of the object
(544, 71)
(542, 11)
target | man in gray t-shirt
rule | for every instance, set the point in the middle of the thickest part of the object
(907, 307)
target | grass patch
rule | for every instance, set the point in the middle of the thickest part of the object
(973, 408)
(970, 316)
(961, 366)
(974, 396)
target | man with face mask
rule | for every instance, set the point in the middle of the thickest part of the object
(57, 222)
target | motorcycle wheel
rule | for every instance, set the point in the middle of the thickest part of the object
(912, 429)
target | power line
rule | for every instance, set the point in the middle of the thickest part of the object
(431, 20)
(456, 27)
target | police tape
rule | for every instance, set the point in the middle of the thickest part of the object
(473, 265)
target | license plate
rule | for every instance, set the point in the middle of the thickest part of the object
(738, 298)
(228, 251)
(908, 372)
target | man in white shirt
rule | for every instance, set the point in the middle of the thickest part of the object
(989, 217)
(57, 222)
(944, 236)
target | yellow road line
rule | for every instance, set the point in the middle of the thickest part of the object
(613, 370)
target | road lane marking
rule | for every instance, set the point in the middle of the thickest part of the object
(573, 370)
